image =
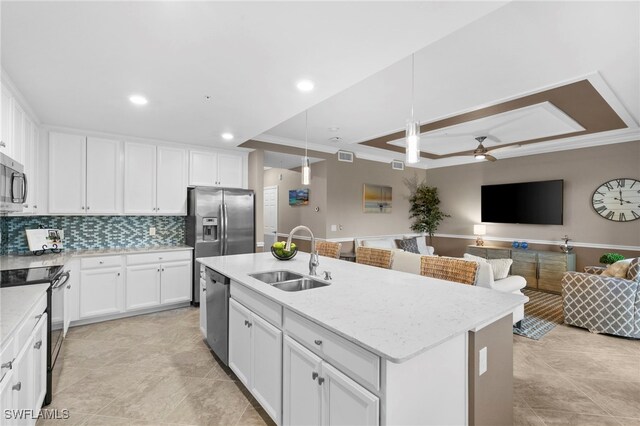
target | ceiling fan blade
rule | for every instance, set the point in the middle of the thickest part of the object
(490, 157)
(505, 148)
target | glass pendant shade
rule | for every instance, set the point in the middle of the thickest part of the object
(413, 142)
(306, 171)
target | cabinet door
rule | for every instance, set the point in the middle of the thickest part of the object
(172, 181)
(203, 307)
(6, 397)
(18, 137)
(103, 176)
(344, 402)
(143, 286)
(22, 384)
(230, 170)
(139, 178)
(525, 264)
(175, 282)
(6, 123)
(67, 173)
(203, 168)
(240, 341)
(101, 292)
(301, 393)
(39, 362)
(551, 269)
(266, 366)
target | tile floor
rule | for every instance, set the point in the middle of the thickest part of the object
(156, 369)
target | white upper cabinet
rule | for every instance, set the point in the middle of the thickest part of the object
(139, 178)
(17, 152)
(31, 140)
(203, 170)
(103, 176)
(172, 181)
(208, 168)
(67, 172)
(6, 122)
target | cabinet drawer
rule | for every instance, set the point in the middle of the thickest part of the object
(100, 262)
(29, 323)
(523, 256)
(267, 309)
(356, 362)
(158, 257)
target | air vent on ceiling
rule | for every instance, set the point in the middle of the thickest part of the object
(397, 165)
(345, 156)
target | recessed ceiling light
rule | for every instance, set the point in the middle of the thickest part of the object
(305, 85)
(227, 136)
(138, 99)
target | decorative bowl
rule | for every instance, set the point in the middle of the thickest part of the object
(515, 244)
(282, 254)
(524, 245)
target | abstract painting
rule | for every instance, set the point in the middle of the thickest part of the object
(376, 199)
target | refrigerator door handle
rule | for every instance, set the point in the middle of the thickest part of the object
(223, 232)
(226, 224)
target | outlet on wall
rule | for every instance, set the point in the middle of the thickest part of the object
(334, 228)
(152, 230)
(482, 367)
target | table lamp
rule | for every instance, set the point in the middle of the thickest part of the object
(479, 231)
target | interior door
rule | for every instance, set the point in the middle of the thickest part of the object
(270, 212)
(239, 222)
(301, 393)
(103, 176)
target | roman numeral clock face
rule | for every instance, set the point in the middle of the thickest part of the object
(618, 200)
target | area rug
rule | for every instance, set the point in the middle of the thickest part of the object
(542, 313)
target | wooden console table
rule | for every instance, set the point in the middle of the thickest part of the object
(543, 270)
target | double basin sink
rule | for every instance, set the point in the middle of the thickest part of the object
(288, 281)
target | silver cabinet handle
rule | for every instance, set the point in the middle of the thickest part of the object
(87, 207)
(204, 289)
(247, 323)
(314, 375)
(35, 206)
(82, 207)
(8, 364)
(317, 342)
(320, 380)
(39, 316)
(118, 273)
(101, 262)
(26, 206)
(159, 258)
(158, 269)
(17, 386)
(69, 287)
(327, 275)
(38, 344)
(3, 145)
(162, 269)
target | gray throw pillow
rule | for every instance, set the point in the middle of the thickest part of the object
(410, 245)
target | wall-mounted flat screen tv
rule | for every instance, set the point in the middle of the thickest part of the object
(538, 203)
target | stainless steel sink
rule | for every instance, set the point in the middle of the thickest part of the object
(273, 277)
(300, 284)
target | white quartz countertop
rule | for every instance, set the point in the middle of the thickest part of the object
(394, 314)
(15, 304)
(55, 259)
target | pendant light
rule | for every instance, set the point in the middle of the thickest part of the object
(306, 164)
(412, 137)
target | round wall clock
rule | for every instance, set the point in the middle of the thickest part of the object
(618, 200)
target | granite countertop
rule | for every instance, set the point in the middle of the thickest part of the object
(15, 304)
(55, 259)
(393, 314)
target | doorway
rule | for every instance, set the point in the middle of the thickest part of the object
(270, 213)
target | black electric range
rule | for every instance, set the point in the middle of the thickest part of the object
(57, 278)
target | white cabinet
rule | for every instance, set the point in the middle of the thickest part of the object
(31, 142)
(6, 122)
(175, 282)
(101, 292)
(17, 152)
(84, 175)
(315, 392)
(203, 307)
(207, 168)
(39, 361)
(255, 355)
(154, 179)
(143, 286)
(6, 396)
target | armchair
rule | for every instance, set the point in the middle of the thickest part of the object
(603, 304)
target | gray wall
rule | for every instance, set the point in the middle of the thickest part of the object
(256, 167)
(583, 170)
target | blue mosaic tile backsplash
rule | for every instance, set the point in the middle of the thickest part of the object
(94, 232)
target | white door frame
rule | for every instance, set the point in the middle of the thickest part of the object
(266, 188)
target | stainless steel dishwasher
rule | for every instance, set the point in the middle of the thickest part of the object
(218, 314)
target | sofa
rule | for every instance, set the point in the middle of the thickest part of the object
(389, 242)
(603, 304)
(410, 262)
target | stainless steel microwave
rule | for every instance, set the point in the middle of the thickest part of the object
(13, 185)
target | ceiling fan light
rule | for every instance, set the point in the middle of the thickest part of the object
(413, 142)
(479, 156)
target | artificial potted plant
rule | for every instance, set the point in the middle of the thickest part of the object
(609, 258)
(424, 207)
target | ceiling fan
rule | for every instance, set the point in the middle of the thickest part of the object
(482, 153)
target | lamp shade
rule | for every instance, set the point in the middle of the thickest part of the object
(479, 229)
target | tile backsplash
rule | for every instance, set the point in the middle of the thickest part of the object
(91, 232)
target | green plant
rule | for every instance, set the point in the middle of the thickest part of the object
(609, 258)
(425, 207)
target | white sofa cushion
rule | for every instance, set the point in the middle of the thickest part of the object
(382, 243)
(510, 284)
(500, 266)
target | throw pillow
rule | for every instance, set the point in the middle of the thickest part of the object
(410, 245)
(618, 269)
(474, 258)
(500, 267)
(634, 270)
(423, 248)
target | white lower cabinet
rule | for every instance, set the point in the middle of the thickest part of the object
(255, 355)
(143, 286)
(175, 282)
(101, 292)
(39, 361)
(316, 393)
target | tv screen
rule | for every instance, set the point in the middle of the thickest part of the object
(538, 203)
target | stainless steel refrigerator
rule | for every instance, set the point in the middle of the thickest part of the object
(220, 221)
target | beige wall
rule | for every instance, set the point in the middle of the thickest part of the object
(256, 167)
(582, 170)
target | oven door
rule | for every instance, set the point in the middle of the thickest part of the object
(57, 314)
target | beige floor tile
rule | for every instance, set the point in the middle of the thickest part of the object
(618, 398)
(65, 376)
(628, 422)
(551, 417)
(530, 360)
(525, 416)
(210, 402)
(553, 392)
(255, 416)
(595, 365)
(117, 421)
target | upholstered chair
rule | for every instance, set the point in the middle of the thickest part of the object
(328, 249)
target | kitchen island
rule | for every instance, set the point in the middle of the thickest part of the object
(375, 346)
